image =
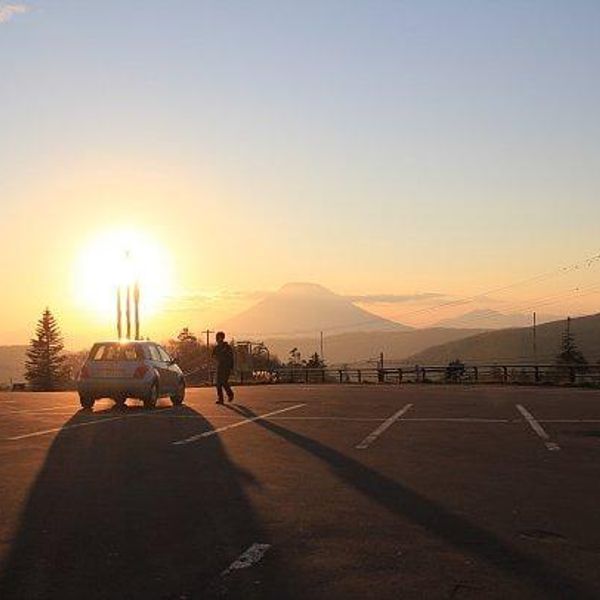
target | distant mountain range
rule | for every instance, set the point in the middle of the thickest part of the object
(360, 347)
(12, 363)
(516, 345)
(491, 319)
(304, 308)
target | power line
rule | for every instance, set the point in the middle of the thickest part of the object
(559, 271)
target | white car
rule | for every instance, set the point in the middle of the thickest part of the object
(121, 370)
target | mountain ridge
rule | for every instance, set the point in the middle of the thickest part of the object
(516, 344)
(299, 308)
(487, 318)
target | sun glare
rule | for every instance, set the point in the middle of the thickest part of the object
(120, 258)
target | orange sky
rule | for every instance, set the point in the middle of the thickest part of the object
(344, 155)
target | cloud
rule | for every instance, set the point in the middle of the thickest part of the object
(8, 11)
(394, 298)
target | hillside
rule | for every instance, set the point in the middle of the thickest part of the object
(516, 345)
(492, 319)
(303, 308)
(12, 361)
(361, 346)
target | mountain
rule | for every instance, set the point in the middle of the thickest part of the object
(305, 308)
(360, 347)
(516, 345)
(12, 363)
(492, 319)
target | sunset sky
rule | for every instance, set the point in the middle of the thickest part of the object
(380, 148)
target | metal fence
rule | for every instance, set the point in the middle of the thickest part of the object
(542, 374)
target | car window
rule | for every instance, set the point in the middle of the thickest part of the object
(154, 355)
(103, 352)
(130, 352)
(164, 354)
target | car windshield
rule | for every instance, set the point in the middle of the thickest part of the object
(102, 352)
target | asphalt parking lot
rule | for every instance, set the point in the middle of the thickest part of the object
(326, 491)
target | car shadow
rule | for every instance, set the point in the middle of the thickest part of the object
(118, 511)
(455, 530)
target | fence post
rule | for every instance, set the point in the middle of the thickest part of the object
(359, 376)
(572, 374)
(305, 375)
(340, 374)
(242, 377)
(399, 376)
(322, 375)
(476, 373)
(416, 373)
(423, 374)
(505, 374)
(537, 374)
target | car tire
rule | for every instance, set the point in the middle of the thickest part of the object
(152, 397)
(178, 398)
(86, 402)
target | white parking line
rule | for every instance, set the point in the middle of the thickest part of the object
(211, 432)
(456, 420)
(387, 423)
(248, 558)
(539, 430)
(65, 427)
(568, 420)
(31, 411)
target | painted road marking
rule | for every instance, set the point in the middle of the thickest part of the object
(250, 557)
(568, 420)
(211, 432)
(65, 427)
(377, 432)
(539, 430)
(30, 411)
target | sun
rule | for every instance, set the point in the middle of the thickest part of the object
(122, 257)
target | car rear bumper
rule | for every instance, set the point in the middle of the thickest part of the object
(114, 387)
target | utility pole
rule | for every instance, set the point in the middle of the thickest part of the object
(119, 328)
(136, 309)
(535, 357)
(207, 332)
(128, 311)
(322, 355)
(381, 374)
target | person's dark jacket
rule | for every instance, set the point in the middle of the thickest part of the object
(223, 354)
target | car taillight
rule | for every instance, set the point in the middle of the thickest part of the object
(140, 372)
(84, 373)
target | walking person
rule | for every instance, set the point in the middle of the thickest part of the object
(223, 354)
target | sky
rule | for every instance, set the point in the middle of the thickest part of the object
(415, 151)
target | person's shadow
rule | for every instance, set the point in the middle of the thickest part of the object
(543, 579)
(117, 511)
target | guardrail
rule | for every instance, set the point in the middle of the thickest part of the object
(547, 374)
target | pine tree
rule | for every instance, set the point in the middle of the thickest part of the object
(45, 367)
(569, 353)
(315, 362)
(188, 350)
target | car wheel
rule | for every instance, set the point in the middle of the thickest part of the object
(86, 401)
(152, 398)
(178, 398)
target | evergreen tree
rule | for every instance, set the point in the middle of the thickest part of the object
(295, 359)
(45, 367)
(569, 353)
(315, 362)
(190, 354)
